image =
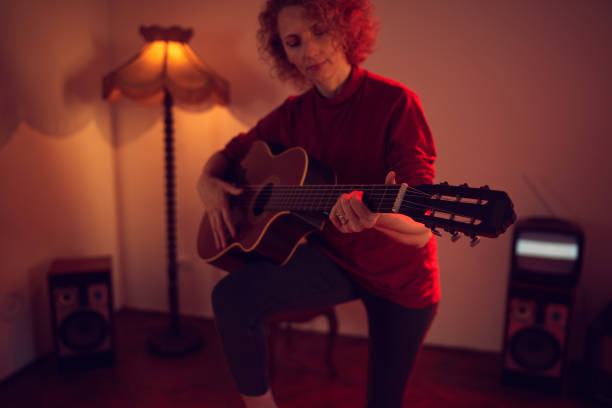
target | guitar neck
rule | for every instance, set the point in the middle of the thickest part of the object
(378, 198)
(472, 211)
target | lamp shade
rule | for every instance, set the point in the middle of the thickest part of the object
(166, 63)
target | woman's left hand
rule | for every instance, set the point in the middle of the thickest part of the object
(350, 214)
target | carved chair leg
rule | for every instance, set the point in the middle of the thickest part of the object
(272, 336)
(333, 334)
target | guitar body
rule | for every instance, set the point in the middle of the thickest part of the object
(272, 234)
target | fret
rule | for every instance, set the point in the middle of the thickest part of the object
(369, 197)
(330, 199)
(286, 201)
(294, 198)
(275, 197)
(322, 195)
(296, 202)
(380, 200)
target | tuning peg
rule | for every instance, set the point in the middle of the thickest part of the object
(436, 232)
(444, 183)
(455, 236)
(464, 185)
(475, 241)
(485, 187)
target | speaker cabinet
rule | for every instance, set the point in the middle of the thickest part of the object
(598, 358)
(82, 311)
(536, 336)
(545, 268)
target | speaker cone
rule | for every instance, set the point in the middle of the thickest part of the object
(535, 349)
(83, 330)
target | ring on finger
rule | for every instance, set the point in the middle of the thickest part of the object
(341, 218)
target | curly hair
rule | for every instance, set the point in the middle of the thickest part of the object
(350, 22)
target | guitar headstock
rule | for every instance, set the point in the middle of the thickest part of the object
(459, 210)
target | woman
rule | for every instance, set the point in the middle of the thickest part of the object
(367, 129)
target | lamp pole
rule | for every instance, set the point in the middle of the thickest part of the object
(170, 212)
(177, 339)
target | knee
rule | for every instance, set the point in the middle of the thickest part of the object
(234, 303)
(223, 296)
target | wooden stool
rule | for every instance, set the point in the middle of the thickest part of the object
(275, 322)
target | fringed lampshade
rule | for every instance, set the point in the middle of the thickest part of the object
(166, 64)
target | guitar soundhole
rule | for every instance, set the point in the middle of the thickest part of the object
(262, 199)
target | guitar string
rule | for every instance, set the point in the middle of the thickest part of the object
(328, 188)
(278, 199)
(284, 195)
(316, 198)
(406, 205)
(314, 193)
(290, 192)
(410, 205)
(321, 197)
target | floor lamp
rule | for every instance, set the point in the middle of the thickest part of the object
(167, 70)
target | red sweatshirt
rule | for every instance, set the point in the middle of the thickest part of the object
(372, 126)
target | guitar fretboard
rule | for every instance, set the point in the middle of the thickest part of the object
(321, 198)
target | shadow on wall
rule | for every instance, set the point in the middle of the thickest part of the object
(9, 112)
(51, 76)
(252, 91)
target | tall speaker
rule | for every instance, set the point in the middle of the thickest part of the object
(82, 311)
(546, 263)
(598, 358)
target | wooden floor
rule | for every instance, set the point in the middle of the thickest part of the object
(442, 378)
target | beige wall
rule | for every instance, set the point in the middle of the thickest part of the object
(57, 178)
(513, 91)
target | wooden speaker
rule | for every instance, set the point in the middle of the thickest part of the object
(536, 337)
(82, 311)
(598, 358)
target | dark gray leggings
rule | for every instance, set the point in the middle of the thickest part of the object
(310, 280)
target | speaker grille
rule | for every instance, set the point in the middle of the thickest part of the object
(84, 330)
(535, 349)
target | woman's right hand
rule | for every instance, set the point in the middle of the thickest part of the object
(214, 194)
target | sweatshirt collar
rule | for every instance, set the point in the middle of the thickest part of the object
(355, 80)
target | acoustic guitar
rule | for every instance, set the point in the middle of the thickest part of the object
(287, 196)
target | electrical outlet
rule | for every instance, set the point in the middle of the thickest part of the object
(12, 305)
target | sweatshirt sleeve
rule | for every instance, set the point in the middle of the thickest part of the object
(410, 147)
